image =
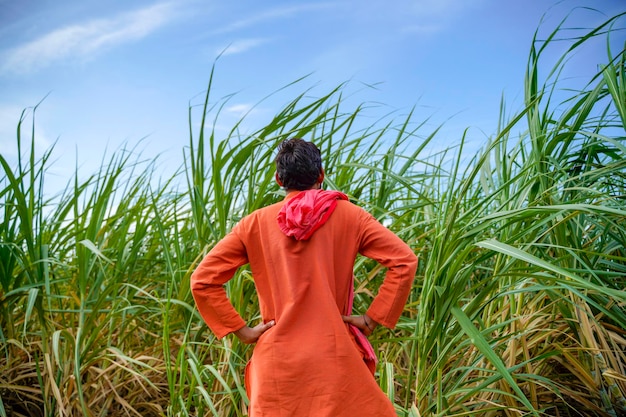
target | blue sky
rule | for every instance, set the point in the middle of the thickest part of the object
(114, 72)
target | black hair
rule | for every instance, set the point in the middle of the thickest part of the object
(298, 164)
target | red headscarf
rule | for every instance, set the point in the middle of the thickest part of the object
(307, 211)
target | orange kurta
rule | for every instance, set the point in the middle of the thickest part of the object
(308, 363)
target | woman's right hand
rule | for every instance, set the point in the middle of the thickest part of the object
(364, 322)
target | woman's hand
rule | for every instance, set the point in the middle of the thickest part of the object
(249, 335)
(364, 322)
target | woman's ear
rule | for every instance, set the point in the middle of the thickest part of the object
(278, 181)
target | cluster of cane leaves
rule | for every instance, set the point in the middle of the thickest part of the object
(558, 238)
(523, 291)
(518, 307)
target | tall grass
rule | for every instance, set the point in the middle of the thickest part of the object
(518, 308)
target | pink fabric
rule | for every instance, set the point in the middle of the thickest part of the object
(369, 354)
(308, 210)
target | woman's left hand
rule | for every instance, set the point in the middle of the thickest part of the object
(249, 335)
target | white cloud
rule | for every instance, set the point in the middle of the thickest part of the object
(273, 14)
(85, 40)
(239, 109)
(241, 46)
(244, 45)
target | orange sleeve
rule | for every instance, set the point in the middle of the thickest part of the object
(383, 246)
(207, 285)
